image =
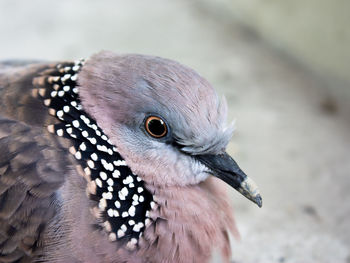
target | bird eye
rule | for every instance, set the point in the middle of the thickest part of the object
(156, 127)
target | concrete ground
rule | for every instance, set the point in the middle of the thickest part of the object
(291, 135)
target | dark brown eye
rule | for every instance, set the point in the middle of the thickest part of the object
(156, 127)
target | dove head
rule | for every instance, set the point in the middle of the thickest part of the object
(166, 120)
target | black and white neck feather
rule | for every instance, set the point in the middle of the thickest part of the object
(122, 201)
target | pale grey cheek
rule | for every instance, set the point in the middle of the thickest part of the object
(157, 160)
(173, 167)
(190, 170)
(200, 172)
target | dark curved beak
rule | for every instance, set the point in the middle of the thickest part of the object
(224, 167)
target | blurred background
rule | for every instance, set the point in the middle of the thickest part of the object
(284, 69)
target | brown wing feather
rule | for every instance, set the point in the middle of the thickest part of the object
(33, 165)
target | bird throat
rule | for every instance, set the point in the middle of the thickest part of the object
(122, 204)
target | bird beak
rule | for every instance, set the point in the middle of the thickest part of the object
(224, 167)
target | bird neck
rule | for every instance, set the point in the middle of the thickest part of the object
(189, 222)
(120, 201)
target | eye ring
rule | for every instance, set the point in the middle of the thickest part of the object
(156, 127)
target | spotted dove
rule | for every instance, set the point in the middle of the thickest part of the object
(110, 160)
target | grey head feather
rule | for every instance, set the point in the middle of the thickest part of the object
(132, 85)
(119, 91)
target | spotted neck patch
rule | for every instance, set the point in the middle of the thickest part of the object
(122, 203)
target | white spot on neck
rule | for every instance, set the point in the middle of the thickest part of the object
(76, 123)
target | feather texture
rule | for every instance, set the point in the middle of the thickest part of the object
(32, 167)
(47, 212)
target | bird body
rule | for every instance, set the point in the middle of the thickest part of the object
(109, 160)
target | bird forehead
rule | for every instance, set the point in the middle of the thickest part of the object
(150, 84)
